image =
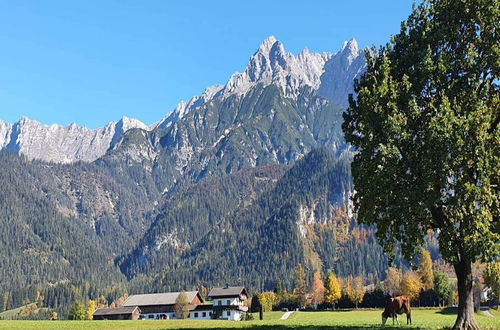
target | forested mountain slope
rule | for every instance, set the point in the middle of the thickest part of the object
(256, 238)
(238, 185)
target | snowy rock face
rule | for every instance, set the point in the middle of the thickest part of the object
(340, 72)
(62, 144)
(5, 130)
(331, 75)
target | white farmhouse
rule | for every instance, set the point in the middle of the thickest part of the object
(228, 302)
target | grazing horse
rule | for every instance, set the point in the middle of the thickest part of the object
(395, 306)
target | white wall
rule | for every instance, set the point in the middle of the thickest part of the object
(224, 301)
(208, 315)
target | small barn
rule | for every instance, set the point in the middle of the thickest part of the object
(118, 313)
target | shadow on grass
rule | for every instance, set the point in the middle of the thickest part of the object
(313, 327)
(448, 311)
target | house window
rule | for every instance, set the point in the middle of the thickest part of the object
(228, 302)
(195, 314)
(219, 302)
(210, 313)
(204, 314)
(228, 313)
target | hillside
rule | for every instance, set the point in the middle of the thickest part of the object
(239, 184)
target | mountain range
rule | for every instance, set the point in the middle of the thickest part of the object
(238, 184)
(328, 75)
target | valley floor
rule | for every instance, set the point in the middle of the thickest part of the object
(361, 319)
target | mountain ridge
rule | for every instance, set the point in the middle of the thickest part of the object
(63, 144)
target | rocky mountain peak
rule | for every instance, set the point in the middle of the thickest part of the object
(330, 74)
(62, 144)
(266, 45)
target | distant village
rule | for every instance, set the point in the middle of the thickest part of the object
(225, 303)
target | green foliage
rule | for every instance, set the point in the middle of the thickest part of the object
(300, 285)
(255, 306)
(349, 320)
(425, 126)
(77, 312)
(492, 278)
(443, 289)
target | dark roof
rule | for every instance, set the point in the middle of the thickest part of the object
(206, 307)
(229, 291)
(167, 298)
(116, 311)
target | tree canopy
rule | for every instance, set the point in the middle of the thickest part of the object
(425, 127)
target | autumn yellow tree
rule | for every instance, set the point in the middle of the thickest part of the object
(118, 302)
(411, 284)
(53, 316)
(317, 289)
(91, 307)
(268, 300)
(181, 306)
(333, 290)
(392, 282)
(102, 302)
(355, 290)
(425, 270)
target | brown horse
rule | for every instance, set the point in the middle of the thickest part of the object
(395, 306)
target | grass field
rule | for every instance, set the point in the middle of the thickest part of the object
(422, 319)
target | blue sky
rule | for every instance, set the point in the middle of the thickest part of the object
(94, 61)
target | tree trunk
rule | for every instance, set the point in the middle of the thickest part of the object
(465, 318)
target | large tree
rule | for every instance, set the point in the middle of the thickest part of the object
(181, 307)
(425, 127)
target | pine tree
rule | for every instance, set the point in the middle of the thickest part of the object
(300, 285)
(425, 270)
(333, 291)
(277, 287)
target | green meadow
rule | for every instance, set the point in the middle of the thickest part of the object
(359, 319)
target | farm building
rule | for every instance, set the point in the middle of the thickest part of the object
(118, 313)
(161, 305)
(228, 302)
